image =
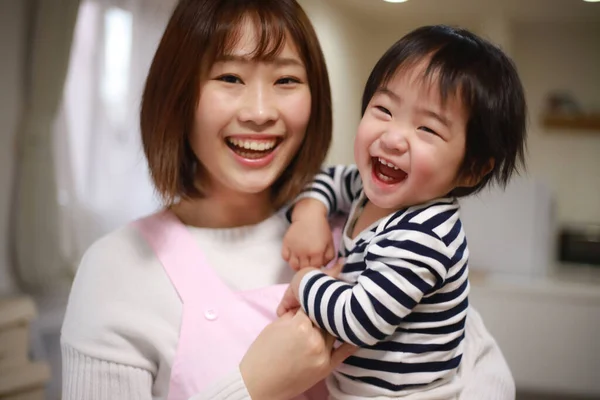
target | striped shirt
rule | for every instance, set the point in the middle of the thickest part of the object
(401, 297)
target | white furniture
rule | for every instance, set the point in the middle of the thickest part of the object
(548, 329)
(21, 378)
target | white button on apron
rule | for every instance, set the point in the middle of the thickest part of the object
(210, 314)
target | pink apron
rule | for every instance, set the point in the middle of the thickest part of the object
(218, 325)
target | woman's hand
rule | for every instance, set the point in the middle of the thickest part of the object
(289, 357)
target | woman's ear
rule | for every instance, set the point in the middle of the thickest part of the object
(475, 175)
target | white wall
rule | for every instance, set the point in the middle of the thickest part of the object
(12, 40)
(341, 40)
(563, 56)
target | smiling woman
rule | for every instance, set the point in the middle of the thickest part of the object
(236, 96)
(259, 105)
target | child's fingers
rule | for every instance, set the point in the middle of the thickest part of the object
(315, 261)
(281, 310)
(288, 302)
(285, 253)
(329, 253)
(294, 262)
(304, 262)
(284, 307)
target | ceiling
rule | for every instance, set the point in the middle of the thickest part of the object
(469, 10)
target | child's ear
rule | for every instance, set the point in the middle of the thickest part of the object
(474, 176)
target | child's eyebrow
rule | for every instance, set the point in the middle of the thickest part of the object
(279, 61)
(388, 93)
(440, 117)
(423, 111)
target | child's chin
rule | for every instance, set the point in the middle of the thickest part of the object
(383, 201)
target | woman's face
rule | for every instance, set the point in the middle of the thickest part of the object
(251, 117)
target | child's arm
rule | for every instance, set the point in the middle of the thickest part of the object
(336, 187)
(308, 241)
(401, 267)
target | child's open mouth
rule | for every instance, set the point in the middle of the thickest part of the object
(387, 172)
(253, 149)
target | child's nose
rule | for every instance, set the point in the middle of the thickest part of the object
(395, 141)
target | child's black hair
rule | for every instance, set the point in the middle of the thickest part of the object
(489, 87)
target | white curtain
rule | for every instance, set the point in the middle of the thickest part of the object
(38, 260)
(102, 175)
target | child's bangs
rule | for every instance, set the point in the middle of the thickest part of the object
(270, 29)
(452, 76)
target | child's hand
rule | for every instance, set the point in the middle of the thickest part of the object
(289, 302)
(308, 243)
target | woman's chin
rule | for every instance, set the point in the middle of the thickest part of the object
(253, 185)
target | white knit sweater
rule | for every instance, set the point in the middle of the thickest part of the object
(120, 332)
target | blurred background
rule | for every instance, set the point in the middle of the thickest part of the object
(71, 168)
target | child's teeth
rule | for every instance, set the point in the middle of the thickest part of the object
(389, 164)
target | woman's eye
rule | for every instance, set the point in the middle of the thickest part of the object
(384, 110)
(287, 81)
(428, 130)
(229, 79)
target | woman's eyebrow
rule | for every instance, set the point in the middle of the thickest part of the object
(279, 61)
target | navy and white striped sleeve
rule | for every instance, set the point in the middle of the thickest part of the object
(336, 187)
(402, 266)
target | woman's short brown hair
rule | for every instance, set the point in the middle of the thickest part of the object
(198, 33)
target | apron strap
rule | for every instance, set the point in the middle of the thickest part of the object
(181, 258)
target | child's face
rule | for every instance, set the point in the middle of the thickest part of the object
(409, 146)
(251, 117)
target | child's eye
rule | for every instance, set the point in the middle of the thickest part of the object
(287, 81)
(384, 110)
(426, 129)
(229, 79)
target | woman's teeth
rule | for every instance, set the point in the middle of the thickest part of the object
(252, 149)
(255, 145)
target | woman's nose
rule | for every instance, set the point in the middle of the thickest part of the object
(258, 106)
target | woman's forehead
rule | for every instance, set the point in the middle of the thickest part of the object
(254, 40)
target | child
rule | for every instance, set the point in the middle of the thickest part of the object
(444, 116)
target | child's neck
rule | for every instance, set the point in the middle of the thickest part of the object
(368, 216)
(225, 210)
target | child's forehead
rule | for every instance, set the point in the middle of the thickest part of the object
(420, 77)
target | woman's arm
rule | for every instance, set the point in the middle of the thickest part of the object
(484, 371)
(289, 357)
(85, 377)
(111, 346)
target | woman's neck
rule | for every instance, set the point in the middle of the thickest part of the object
(225, 210)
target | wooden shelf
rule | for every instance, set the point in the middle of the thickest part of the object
(579, 122)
